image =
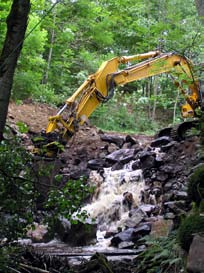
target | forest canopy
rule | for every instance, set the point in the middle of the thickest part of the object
(68, 40)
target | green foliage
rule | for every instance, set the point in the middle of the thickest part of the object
(22, 127)
(196, 185)
(9, 258)
(124, 113)
(67, 201)
(162, 255)
(190, 225)
(16, 190)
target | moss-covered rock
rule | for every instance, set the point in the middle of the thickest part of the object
(196, 185)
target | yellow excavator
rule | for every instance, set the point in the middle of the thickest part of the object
(99, 87)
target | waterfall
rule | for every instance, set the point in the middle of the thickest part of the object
(116, 193)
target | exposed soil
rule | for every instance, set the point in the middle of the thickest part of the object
(34, 115)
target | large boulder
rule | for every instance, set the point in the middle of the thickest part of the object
(79, 234)
(195, 262)
(161, 141)
(123, 155)
(131, 234)
(118, 140)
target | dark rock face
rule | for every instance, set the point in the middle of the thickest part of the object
(131, 235)
(119, 141)
(122, 155)
(96, 164)
(161, 141)
(147, 159)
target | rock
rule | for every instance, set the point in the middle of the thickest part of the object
(195, 262)
(147, 160)
(127, 145)
(141, 231)
(113, 139)
(128, 200)
(180, 195)
(175, 206)
(147, 209)
(130, 235)
(123, 236)
(136, 165)
(112, 148)
(131, 139)
(79, 234)
(95, 164)
(39, 234)
(168, 186)
(126, 245)
(169, 215)
(161, 176)
(122, 155)
(161, 227)
(167, 147)
(117, 166)
(161, 141)
(135, 217)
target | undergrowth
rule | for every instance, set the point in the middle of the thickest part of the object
(163, 255)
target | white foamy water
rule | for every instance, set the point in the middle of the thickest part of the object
(108, 206)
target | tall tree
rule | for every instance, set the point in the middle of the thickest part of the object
(16, 28)
(200, 8)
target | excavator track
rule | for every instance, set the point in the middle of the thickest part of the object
(180, 131)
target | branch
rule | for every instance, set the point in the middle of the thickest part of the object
(35, 269)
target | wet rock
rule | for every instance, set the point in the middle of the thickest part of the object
(79, 234)
(117, 166)
(195, 262)
(127, 145)
(39, 233)
(136, 165)
(122, 155)
(161, 141)
(141, 231)
(95, 164)
(171, 169)
(175, 206)
(167, 186)
(147, 209)
(147, 160)
(128, 200)
(126, 245)
(161, 176)
(167, 147)
(130, 234)
(135, 217)
(131, 139)
(113, 139)
(180, 195)
(123, 236)
(169, 215)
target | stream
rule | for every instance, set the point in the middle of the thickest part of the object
(138, 190)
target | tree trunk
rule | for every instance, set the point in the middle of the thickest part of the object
(16, 28)
(200, 9)
(45, 79)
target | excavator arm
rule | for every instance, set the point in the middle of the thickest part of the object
(99, 87)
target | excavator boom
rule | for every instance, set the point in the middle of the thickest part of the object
(99, 87)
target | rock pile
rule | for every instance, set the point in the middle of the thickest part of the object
(165, 164)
